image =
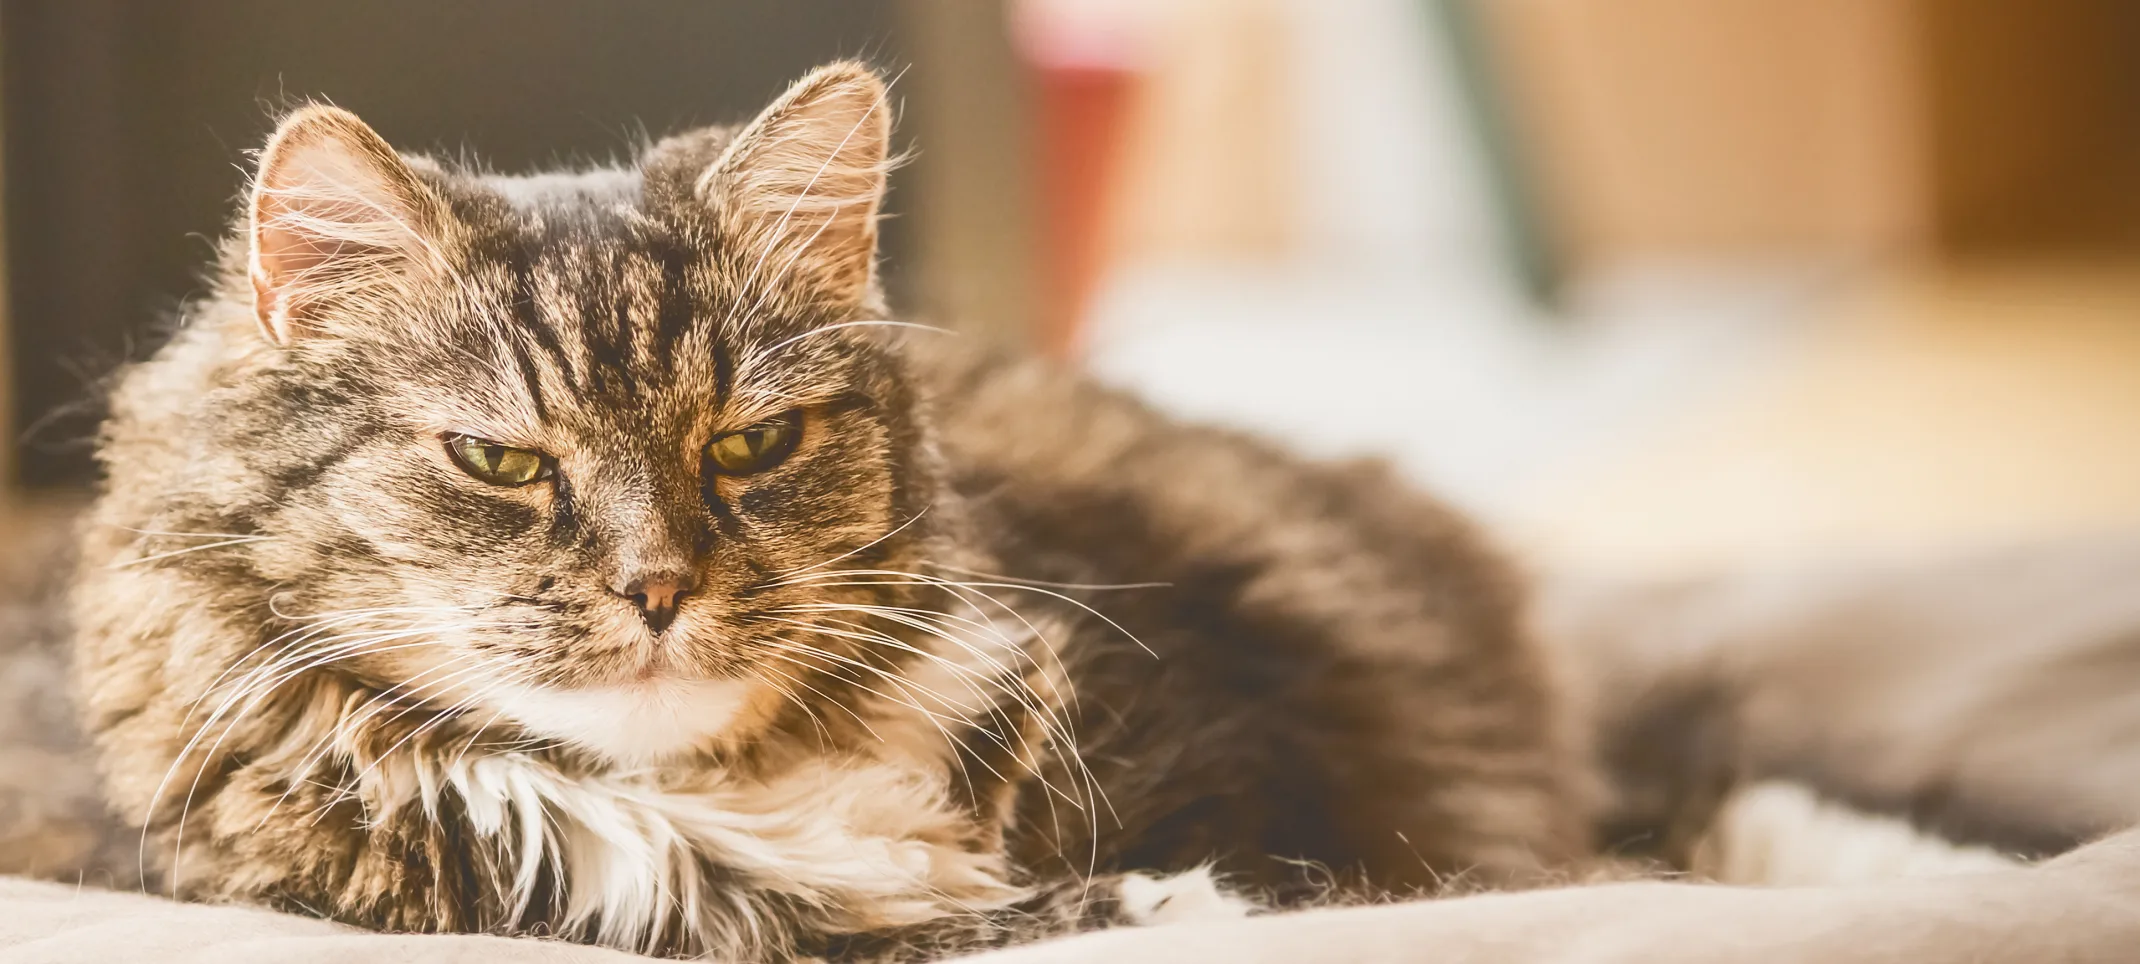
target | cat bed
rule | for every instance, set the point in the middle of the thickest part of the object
(2082, 907)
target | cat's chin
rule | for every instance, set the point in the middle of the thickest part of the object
(632, 723)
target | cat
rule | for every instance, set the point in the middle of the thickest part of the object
(590, 554)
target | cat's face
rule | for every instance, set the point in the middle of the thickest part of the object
(600, 445)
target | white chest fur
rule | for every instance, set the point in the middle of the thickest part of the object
(631, 724)
(852, 845)
(850, 842)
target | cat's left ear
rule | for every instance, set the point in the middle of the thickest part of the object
(802, 184)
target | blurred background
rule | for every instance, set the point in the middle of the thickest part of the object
(1651, 286)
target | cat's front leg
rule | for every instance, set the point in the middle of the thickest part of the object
(1192, 895)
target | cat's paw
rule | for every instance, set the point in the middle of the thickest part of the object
(1188, 896)
(1784, 834)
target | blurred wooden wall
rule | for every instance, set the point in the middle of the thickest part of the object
(2034, 124)
(1762, 127)
(1757, 126)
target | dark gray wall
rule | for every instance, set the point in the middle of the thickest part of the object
(126, 122)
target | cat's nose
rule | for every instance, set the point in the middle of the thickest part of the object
(656, 594)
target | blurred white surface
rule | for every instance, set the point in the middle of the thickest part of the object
(1448, 374)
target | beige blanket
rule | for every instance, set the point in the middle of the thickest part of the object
(2084, 907)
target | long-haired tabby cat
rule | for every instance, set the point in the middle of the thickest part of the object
(587, 554)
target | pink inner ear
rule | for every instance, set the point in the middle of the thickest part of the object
(326, 224)
(291, 268)
(296, 265)
(297, 242)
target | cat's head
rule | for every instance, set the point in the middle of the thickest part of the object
(582, 450)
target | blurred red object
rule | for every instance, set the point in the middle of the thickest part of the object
(1086, 65)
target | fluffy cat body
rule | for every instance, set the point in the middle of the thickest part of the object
(950, 651)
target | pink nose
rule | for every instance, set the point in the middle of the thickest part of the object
(657, 595)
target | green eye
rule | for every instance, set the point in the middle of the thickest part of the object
(496, 464)
(756, 448)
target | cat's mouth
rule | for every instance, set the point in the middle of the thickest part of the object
(655, 667)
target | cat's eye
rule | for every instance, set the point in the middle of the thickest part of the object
(756, 448)
(495, 463)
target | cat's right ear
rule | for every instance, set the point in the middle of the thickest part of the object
(339, 222)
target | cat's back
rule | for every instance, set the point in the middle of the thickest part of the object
(1328, 664)
(1028, 435)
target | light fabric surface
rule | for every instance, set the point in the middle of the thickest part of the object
(45, 923)
(2084, 907)
(2079, 909)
